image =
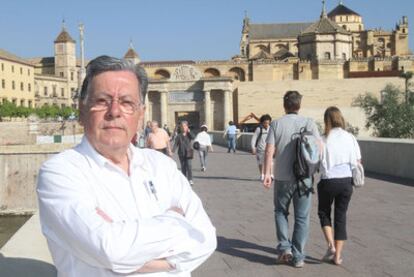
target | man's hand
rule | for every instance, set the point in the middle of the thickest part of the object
(177, 210)
(253, 151)
(161, 265)
(267, 181)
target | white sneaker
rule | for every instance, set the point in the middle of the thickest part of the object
(261, 177)
(191, 182)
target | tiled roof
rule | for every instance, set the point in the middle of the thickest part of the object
(283, 54)
(131, 54)
(64, 37)
(262, 55)
(325, 25)
(341, 10)
(42, 60)
(11, 57)
(279, 30)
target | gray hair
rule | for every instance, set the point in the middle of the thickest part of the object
(105, 63)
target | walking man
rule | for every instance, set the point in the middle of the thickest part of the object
(158, 139)
(286, 189)
(258, 143)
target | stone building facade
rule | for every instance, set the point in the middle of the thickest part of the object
(335, 49)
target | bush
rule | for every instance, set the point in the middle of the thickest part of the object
(392, 116)
(8, 109)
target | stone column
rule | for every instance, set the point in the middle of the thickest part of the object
(228, 109)
(207, 110)
(164, 108)
(147, 109)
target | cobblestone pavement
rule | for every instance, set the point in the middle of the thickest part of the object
(380, 225)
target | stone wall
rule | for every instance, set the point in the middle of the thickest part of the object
(19, 166)
(266, 97)
(392, 157)
(24, 133)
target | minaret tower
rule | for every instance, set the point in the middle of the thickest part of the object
(82, 71)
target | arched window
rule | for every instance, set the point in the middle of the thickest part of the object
(162, 74)
(262, 47)
(327, 55)
(237, 73)
(211, 73)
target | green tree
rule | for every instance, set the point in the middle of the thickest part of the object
(407, 75)
(389, 116)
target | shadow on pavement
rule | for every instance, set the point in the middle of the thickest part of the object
(225, 178)
(21, 267)
(391, 179)
(233, 247)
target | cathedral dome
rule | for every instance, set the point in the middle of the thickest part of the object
(341, 9)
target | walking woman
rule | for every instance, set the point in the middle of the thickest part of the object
(341, 153)
(204, 140)
(185, 151)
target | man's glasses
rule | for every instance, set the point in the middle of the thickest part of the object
(126, 106)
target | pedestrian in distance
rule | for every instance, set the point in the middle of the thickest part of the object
(258, 143)
(185, 151)
(341, 153)
(231, 135)
(110, 209)
(287, 188)
(158, 139)
(203, 141)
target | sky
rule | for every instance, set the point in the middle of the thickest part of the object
(168, 29)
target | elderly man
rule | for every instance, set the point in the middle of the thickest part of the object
(110, 209)
(158, 139)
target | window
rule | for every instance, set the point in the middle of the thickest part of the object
(30, 104)
(12, 68)
(21, 70)
(28, 72)
(327, 55)
(22, 103)
(14, 101)
(54, 91)
(61, 74)
(63, 106)
(71, 76)
(45, 91)
(21, 86)
(343, 56)
(13, 85)
(62, 92)
(3, 83)
(29, 87)
(2, 67)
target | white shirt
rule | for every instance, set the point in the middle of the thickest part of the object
(203, 138)
(341, 153)
(74, 183)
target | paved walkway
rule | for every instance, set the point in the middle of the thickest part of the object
(380, 227)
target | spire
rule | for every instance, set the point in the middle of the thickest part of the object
(246, 23)
(63, 25)
(323, 14)
(131, 54)
(341, 2)
(64, 35)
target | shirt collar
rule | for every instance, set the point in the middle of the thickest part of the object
(135, 155)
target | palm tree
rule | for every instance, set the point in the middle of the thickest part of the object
(407, 75)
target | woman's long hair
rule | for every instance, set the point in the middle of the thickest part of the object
(333, 118)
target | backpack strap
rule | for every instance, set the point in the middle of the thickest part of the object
(259, 136)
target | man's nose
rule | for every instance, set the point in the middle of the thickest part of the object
(114, 108)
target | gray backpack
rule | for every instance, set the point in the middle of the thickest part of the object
(307, 159)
